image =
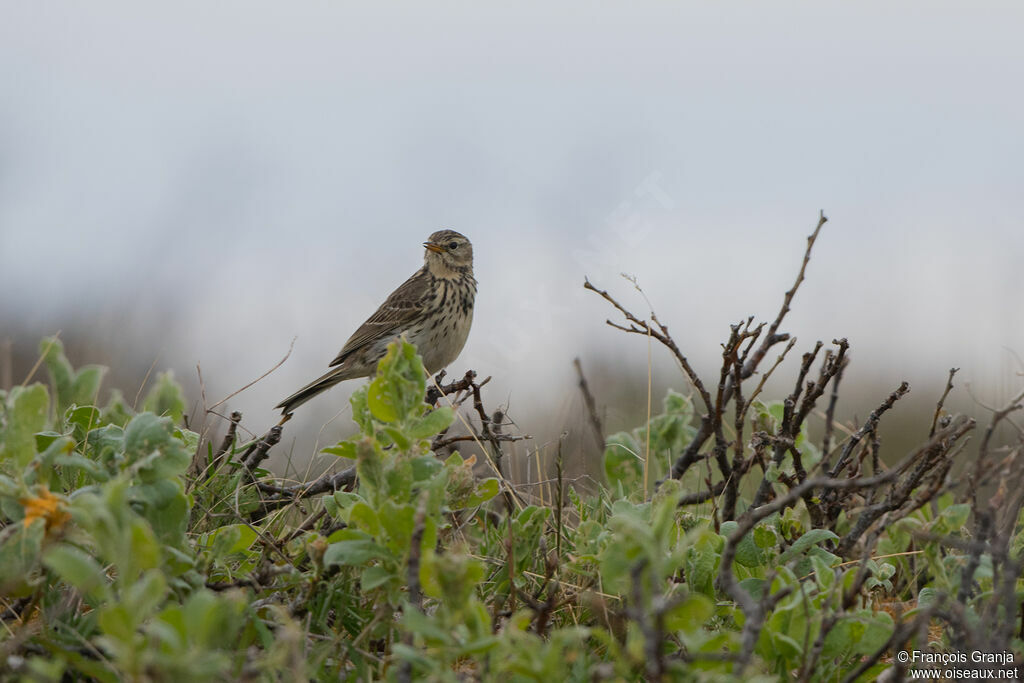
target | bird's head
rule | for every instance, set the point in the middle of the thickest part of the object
(449, 254)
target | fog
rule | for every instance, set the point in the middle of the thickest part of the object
(202, 183)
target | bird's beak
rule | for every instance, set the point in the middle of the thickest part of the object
(436, 248)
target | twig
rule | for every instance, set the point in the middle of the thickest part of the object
(900, 635)
(220, 455)
(413, 575)
(416, 551)
(754, 610)
(830, 412)
(869, 426)
(642, 327)
(227, 443)
(926, 457)
(773, 337)
(446, 441)
(306, 525)
(942, 400)
(255, 456)
(588, 399)
(436, 390)
(329, 482)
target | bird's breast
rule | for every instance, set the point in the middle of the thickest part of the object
(442, 332)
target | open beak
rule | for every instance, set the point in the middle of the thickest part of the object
(436, 248)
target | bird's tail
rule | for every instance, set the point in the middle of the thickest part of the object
(307, 392)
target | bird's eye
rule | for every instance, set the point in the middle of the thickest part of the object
(452, 245)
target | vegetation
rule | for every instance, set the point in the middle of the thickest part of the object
(725, 545)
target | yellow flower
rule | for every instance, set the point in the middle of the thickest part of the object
(45, 506)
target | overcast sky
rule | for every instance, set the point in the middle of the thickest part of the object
(218, 178)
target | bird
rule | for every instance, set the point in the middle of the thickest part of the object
(433, 309)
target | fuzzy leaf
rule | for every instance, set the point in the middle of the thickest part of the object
(803, 543)
(26, 414)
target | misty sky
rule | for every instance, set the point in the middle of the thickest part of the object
(207, 181)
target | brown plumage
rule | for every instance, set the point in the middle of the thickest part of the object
(433, 308)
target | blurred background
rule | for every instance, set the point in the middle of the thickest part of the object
(201, 183)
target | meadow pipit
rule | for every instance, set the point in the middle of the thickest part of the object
(433, 308)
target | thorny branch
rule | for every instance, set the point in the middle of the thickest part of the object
(279, 495)
(870, 502)
(749, 361)
(588, 399)
(491, 426)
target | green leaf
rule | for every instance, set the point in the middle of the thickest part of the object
(691, 614)
(59, 450)
(145, 550)
(927, 596)
(407, 653)
(803, 543)
(380, 401)
(416, 622)
(145, 434)
(675, 403)
(61, 372)
(364, 517)
(425, 467)
(370, 468)
(106, 443)
(878, 627)
(754, 586)
(150, 437)
(212, 620)
(117, 412)
(952, 519)
(398, 521)
(748, 552)
(224, 539)
(399, 479)
(764, 537)
(374, 577)
(75, 461)
(398, 437)
(354, 548)
(241, 537)
(164, 504)
(360, 409)
(485, 490)
(117, 621)
(700, 568)
(166, 398)
(839, 640)
(44, 439)
(78, 569)
(432, 423)
(27, 409)
(146, 594)
(343, 449)
(823, 571)
(86, 385)
(72, 388)
(623, 461)
(19, 559)
(782, 645)
(81, 418)
(343, 500)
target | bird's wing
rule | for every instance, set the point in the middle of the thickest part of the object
(397, 311)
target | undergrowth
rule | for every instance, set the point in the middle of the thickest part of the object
(131, 549)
